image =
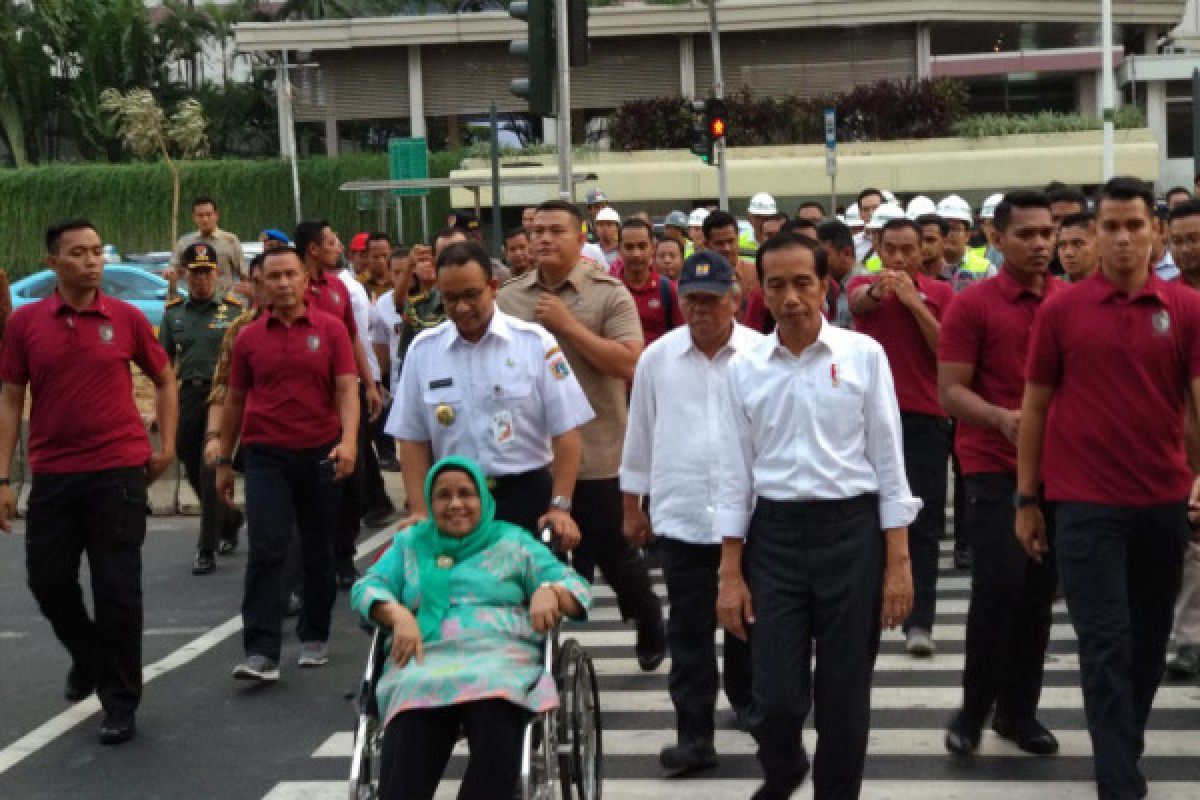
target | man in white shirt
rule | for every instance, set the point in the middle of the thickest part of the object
(812, 484)
(497, 390)
(672, 455)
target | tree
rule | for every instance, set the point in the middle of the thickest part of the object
(26, 90)
(149, 133)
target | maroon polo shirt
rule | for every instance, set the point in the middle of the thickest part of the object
(648, 298)
(327, 293)
(83, 416)
(288, 373)
(1120, 367)
(988, 326)
(914, 364)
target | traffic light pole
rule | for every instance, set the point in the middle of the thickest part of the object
(718, 92)
(562, 23)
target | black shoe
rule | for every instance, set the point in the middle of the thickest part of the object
(742, 718)
(292, 605)
(204, 564)
(962, 738)
(1032, 736)
(962, 558)
(380, 517)
(651, 647)
(226, 546)
(80, 684)
(117, 727)
(346, 575)
(1185, 663)
(389, 465)
(680, 759)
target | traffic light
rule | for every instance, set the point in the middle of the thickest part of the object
(538, 50)
(701, 140)
(577, 25)
(715, 120)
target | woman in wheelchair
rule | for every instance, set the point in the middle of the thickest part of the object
(467, 599)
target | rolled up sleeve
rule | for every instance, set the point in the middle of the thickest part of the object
(735, 492)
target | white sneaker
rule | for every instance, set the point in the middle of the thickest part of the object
(919, 643)
(257, 668)
(313, 654)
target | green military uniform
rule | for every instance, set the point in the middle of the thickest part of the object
(192, 331)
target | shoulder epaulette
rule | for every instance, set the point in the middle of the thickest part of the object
(232, 300)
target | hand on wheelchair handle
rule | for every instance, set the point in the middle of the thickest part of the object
(544, 610)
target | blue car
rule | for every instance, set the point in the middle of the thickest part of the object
(128, 282)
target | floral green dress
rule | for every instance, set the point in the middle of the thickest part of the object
(488, 647)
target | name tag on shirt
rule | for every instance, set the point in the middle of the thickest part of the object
(444, 383)
(502, 427)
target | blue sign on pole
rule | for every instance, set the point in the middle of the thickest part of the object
(830, 142)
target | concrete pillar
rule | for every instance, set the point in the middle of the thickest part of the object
(331, 137)
(687, 66)
(416, 93)
(1156, 120)
(1087, 93)
(924, 51)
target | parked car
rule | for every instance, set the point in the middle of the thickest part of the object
(128, 282)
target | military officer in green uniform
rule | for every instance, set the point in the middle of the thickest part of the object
(191, 333)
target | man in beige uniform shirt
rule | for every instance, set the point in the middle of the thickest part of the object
(231, 261)
(595, 320)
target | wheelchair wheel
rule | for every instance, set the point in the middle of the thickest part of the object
(368, 731)
(581, 750)
(539, 759)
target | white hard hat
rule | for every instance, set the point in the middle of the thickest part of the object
(852, 217)
(988, 210)
(697, 217)
(919, 206)
(954, 207)
(762, 203)
(608, 214)
(885, 214)
(888, 197)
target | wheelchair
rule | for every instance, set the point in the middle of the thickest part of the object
(563, 751)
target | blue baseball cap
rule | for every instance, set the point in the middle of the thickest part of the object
(706, 272)
(277, 235)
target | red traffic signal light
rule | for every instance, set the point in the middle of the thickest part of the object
(716, 128)
(714, 117)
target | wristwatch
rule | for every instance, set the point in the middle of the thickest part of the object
(1024, 500)
(561, 503)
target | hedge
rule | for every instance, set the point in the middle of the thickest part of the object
(130, 203)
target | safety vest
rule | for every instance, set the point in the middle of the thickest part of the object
(976, 262)
(747, 246)
(873, 264)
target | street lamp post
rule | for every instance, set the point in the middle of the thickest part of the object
(718, 92)
(1108, 91)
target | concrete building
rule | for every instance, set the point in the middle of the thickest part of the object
(409, 73)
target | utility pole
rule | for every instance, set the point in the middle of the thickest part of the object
(562, 23)
(287, 128)
(1108, 90)
(719, 93)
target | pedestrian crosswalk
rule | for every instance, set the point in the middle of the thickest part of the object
(911, 701)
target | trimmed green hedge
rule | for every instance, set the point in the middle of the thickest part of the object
(131, 203)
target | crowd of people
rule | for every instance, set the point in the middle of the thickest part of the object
(773, 413)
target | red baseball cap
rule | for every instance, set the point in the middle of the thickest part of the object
(359, 242)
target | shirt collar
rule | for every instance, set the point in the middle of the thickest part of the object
(574, 276)
(271, 318)
(1153, 289)
(60, 306)
(825, 338)
(1013, 290)
(499, 325)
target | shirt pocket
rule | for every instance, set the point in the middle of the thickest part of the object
(514, 390)
(838, 403)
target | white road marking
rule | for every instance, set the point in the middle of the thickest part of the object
(55, 727)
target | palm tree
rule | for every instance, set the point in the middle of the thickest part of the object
(183, 32)
(26, 92)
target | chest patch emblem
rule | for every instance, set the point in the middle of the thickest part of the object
(313, 342)
(1161, 320)
(106, 332)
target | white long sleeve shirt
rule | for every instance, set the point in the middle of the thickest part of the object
(672, 439)
(823, 425)
(360, 304)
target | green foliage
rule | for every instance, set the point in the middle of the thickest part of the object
(883, 111)
(978, 126)
(130, 203)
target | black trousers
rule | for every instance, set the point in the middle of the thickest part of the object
(217, 520)
(417, 745)
(691, 574)
(926, 449)
(385, 445)
(1008, 620)
(103, 514)
(1121, 571)
(815, 574)
(285, 490)
(362, 492)
(522, 499)
(597, 511)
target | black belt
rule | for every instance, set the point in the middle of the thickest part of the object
(787, 509)
(502, 483)
(197, 382)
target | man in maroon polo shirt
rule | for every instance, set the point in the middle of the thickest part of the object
(902, 310)
(91, 462)
(656, 296)
(293, 397)
(1111, 362)
(981, 365)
